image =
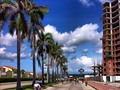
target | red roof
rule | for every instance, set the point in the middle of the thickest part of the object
(1, 66)
(8, 67)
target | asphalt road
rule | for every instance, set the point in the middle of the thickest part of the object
(70, 86)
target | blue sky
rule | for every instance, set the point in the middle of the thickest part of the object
(75, 23)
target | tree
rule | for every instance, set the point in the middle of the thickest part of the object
(36, 13)
(58, 59)
(13, 12)
(54, 51)
(62, 62)
(42, 44)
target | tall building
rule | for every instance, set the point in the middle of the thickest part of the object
(111, 38)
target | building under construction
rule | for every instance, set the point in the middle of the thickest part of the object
(111, 38)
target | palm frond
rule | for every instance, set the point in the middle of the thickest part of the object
(12, 26)
(7, 1)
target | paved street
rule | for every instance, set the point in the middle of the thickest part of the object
(70, 86)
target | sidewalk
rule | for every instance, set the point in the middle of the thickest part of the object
(102, 86)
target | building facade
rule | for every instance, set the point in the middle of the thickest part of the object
(111, 38)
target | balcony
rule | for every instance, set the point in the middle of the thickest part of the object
(116, 38)
(116, 27)
(108, 55)
(104, 29)
(108, 44)
(106, 9)
(115, 13)
(117, 55)
(107, 50)
(116, 21)
(115, 18)
(117, 43)
(115, 24)
(114, 2)
(116, 31)
(115, 7)
(118, 67)
(117, 61)
(106, 14)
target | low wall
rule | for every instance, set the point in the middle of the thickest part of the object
(111, 78)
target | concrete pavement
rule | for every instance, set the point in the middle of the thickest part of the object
(70, 86)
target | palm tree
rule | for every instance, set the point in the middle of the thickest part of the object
(58, 58)
(15, 11)
(54, 51)
(42, 44)
(36, 13)
(48, 51)
(63, 67)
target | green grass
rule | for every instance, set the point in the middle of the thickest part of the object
(12, 82)
(29, 87)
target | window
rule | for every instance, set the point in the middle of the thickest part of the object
(3, 69)
(104, 64)
(104, 69)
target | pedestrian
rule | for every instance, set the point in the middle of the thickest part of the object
(62, 79)
(82, 80)
(86, 81)
(37, 86)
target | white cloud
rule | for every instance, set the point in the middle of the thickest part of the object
(2, 50)
(86, 2)
(99, 51)
(85, 50)
(4, 55)
(23, 47)
(102, 1)
(86, 61)
(85, 34)
(60, 37)
(68, 49)
(82, 62)
(7, 39)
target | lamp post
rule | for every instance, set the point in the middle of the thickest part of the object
(81, 72)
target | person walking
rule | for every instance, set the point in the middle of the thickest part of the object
(86, 81)
(37, 86)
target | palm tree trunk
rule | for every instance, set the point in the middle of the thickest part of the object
(42, 69)
(61, 71)
(48, 69)
(57, 73)
(18, 61)
(52, 70)
(34, 63)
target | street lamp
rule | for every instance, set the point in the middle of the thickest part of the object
(81, 71)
